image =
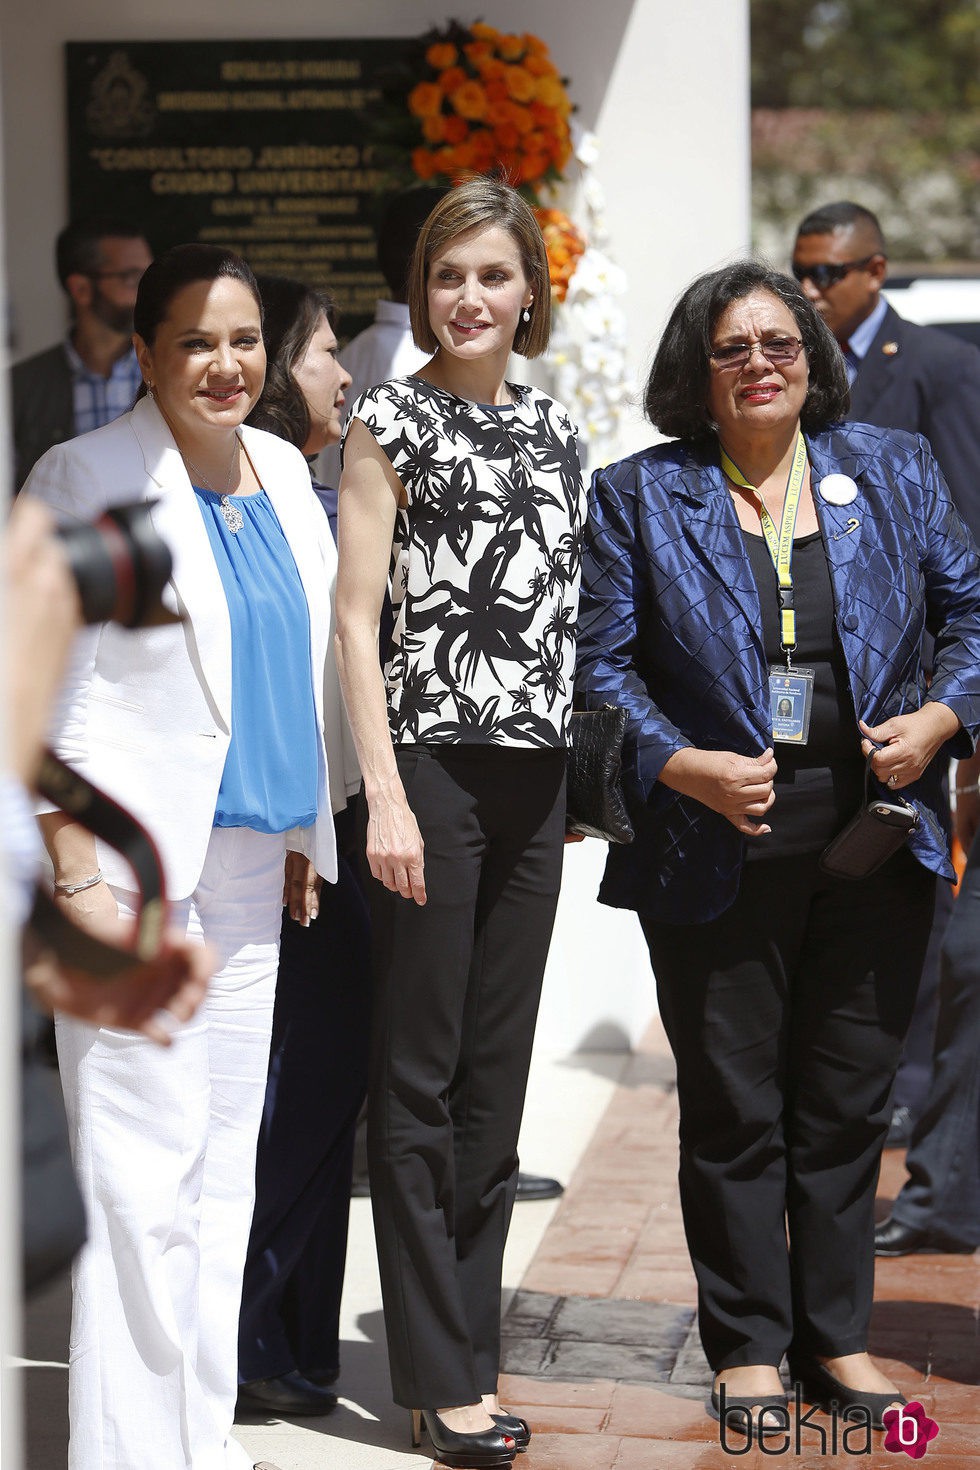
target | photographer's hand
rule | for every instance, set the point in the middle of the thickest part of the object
(42, 614)
(153, 997)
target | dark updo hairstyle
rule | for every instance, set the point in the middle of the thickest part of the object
(292, 313)
(676, 397)
(180, 266)
(483, 201)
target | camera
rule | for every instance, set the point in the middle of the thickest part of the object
(120, 566)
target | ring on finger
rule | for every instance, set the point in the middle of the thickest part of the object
(893, 779)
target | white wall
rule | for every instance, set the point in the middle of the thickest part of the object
(664, 85)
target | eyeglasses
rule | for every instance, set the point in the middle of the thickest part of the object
(131, 277)
(825, 275)
(778, 352)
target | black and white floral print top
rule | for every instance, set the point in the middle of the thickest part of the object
(485, 564)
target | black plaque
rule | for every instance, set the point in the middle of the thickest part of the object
(262, 146)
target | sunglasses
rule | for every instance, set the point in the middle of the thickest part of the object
(824, 275)
(778, 352)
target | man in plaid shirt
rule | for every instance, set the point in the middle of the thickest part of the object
(92, 376)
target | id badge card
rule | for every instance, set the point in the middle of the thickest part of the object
(790, 700)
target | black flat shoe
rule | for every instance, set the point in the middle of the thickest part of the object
(739, 1416)
(538, 1186)
(515, 1428)
(289, 1394)
(820, 1387)
(892, 1238)
(486, 1448)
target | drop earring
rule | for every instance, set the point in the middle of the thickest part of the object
(526, 314)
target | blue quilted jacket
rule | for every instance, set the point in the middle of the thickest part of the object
(670, 627)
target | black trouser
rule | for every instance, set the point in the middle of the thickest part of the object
(942, 1192)
(786, 1016)
(457, 984)
(294, 1272)
(914, 1077)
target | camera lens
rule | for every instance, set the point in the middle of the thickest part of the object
(120, 566)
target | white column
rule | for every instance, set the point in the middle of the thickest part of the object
(674, 162)
(11, 1381)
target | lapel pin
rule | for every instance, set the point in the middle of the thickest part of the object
(838, 489)
(849, 526)
(889, 348)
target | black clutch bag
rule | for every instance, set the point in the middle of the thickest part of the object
(595, 803)
(870, 838)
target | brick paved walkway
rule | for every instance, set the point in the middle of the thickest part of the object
(601, 1349)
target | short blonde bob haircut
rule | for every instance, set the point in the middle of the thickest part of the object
(482, 200)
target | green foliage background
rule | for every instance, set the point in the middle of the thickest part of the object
(875, 100)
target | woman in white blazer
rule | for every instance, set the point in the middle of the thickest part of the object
(215, 733)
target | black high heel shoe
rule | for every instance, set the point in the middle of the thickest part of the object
(739, 1416)
(820, 1387)
(484, 1449)
(514, 1428)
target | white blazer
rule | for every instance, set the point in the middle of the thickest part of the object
(146, 714)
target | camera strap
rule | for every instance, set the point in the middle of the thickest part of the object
(103, 817)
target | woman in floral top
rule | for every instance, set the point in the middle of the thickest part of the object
(462, 492)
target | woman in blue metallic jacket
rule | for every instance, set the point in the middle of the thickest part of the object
(755, 594)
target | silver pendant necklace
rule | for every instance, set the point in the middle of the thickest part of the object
(230, 514)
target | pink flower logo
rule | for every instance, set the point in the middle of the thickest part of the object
(909, 1430)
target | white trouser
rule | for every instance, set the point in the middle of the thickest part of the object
(164, 1145)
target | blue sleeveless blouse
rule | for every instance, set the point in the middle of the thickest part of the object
(269, 781)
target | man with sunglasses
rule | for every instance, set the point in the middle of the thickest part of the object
(92, 376)
(905, 376)
(902, 376)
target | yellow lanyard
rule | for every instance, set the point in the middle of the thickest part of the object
(780, 543)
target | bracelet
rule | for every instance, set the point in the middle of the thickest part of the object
(70, 889)
(972, 790)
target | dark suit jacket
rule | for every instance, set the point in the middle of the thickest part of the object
(44, 411)
(670, 629)
(930, 386)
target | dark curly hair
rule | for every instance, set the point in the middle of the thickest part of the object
(292, 311)
(676, 396)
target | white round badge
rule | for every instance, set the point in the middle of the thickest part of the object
(838, 489)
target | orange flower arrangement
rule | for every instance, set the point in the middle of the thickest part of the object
(484, 97)
(565, 245)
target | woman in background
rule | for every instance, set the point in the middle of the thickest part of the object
(294, 1272)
